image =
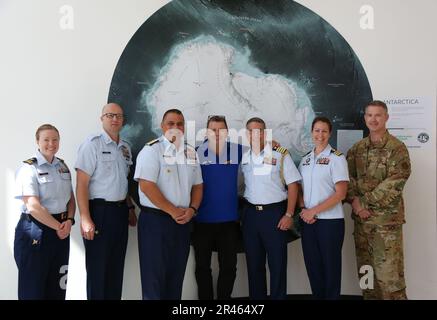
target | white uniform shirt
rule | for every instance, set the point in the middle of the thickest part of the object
(319, 176)
(50, 182)
(174, 172)
(262, 178)
(108, 166)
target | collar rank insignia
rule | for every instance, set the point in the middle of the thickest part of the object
(323, 161)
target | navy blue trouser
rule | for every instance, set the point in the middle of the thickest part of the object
(262, 237)
(163, 247)
(104, 256)
(322, 242)
(42, 260)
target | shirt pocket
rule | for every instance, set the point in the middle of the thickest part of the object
(107, 160)
(274, 168)
(46, 185)
(381, 169)
(191, 170)
(66, 176)
(377, 168)
(167, 172)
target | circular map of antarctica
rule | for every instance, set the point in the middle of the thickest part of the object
(274, 59)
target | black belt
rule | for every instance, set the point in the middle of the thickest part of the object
(61, 217)
(153, 210)
(103, 202)
(262, 207)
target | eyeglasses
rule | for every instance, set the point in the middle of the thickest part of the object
(118, 116)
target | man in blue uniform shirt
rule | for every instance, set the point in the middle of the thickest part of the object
(268, 214)
(170, 190)
(217, 226)
(102, 167)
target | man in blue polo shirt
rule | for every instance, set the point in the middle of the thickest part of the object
(216, 225)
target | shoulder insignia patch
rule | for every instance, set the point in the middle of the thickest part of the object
(281, 150)
(30, 161)
(336, 152)
(151, 143)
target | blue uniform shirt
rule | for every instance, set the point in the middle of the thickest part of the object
(263, 184)
(174, 171)
(108, 166)
(50, 182)
(220, 183)
(319, 176)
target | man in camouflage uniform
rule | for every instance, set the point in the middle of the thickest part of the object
(379, 166)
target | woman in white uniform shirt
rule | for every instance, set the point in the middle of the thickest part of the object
(324, 183)
(42, 242)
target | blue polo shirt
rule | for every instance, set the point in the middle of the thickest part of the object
(220, 183)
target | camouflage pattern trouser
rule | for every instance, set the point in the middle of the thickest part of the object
(381, 248)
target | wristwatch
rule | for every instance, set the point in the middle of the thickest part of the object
(288, 215)
(195, 211)
(72, 220)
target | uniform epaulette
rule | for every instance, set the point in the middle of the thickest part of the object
(30, 161)
(151, 143)
(93, 136)
(64, 167)
(127, 142)
(336, 152)
(280, 150)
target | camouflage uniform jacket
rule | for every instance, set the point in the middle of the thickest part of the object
(378, 173)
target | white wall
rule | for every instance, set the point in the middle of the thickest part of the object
(48, 75)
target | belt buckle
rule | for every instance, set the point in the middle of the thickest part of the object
(63, 215)
(259, 208)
